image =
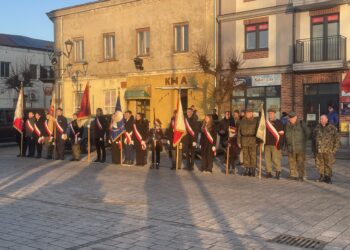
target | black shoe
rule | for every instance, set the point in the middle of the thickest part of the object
(18, 155)
(321, 178)
(38, 156)
(97, 160)
(157, 165)
(252, 172)
(301, 179)
(328, 180)
(246, 172)
(268, 175)
(103, 161)
(278, 173)
(292, 178)
(72, 159)
(173, 168)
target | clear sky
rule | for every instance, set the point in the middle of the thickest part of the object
(28, 17)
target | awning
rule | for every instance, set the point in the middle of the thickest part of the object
(136, 94)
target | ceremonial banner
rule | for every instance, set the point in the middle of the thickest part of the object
(180, 127)
(117, 126)
(85, 110)
(261, 132)
(18, 119)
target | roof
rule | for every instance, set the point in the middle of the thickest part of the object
(25, 42)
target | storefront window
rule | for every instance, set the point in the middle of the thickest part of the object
(238, 104)
(256, 92)
(273, 91)
(143, 106)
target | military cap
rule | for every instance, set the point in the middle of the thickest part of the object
(249, 109)
(292, 114)
(271, 109)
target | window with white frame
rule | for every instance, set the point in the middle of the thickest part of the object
(77, 101)
(143, 42)
(109, 46)
(110, 97)
(4, 69)
(79, 50)
(181, 37)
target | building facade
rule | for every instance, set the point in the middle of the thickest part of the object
(295, 54)
(141, 50)
(18, 53)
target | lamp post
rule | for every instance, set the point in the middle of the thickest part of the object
(74, 75)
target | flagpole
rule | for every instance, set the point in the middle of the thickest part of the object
(177, 156)
(121, 150)
(89, 149)
(22, 119)
(260, 165)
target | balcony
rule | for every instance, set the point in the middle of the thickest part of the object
(305, 5)
(323, 53)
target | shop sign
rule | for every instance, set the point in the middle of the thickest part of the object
(243, 80)
(170, 81)
(311, 117)
(266, 80)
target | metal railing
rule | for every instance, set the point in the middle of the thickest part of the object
(320, 49)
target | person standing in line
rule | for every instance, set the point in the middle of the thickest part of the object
(247, 141)
(297, 134)
(75, 135)
(156, 143)
(38, 134)
(190, 139)
(29, 134)
(326, 142)
(140, 131)
(48, 137)
(100, 123)
(274, 141)
(128, 139)
(61, 136)
(208, 142)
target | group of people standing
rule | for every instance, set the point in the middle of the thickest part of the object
(237, 133)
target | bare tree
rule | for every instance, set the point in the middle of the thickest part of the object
(224, 75)
(13, 82)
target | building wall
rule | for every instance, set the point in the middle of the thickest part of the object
(18, 58)
(93, 20)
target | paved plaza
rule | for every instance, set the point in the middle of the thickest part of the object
(80, 205)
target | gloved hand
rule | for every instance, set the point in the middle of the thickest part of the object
(101, 139)
(194, 144)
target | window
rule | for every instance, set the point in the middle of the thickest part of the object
(79, 50)
(257, 36)
(109, 46)
(77, 101)
(5, 69)
(33, 71)
(110, 100)
(143, 42)
(143, 106)
(181, 37)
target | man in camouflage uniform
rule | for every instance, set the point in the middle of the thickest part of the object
(296, 136)
(326, 142)
(247, 141)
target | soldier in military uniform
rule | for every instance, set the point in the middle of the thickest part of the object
(326, 142)
(274, 141)
(61, 136)
(29, 134)
(75, 135)
(100, 133)
(297, 134)
(39, 134)
(190, 139)
(247, 141)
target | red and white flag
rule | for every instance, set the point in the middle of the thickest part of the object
(18, 119)
(85, 110)
(180, 127)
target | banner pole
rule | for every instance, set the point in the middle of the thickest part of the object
(177, 156)
(22, 119)
(227, 158)
(89, 149)
(260, 149)
(121, 151)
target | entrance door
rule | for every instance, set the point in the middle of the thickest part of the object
(317, 97)
(184, 99)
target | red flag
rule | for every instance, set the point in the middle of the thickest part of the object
(180, 127)
(85, 111)
(345, 86)
(18, 119)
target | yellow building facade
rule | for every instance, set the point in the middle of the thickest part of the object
(110, 35)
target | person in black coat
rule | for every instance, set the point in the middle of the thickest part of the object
(75, 134)
(156, 143)
(128, 138)
(100, 133)
(140, 137)
(61, 136)
(29, 134)
(39, 134)
(208, 142)
(190, 139)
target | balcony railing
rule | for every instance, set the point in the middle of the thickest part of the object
(320, 49)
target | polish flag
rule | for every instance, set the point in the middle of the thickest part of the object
(180, 127)
(18, 119)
